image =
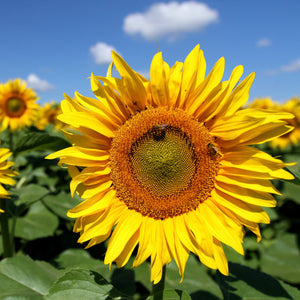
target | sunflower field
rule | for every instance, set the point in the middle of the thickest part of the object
(177, 187)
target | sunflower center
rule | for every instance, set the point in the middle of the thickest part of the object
(163, 162)
(15, 107)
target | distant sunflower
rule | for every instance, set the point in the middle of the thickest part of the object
(262, 103)
(292, 137)
(165, 165)
(17, 105)
(6, 172)
(47, 115)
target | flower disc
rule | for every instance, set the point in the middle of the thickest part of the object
(15, 107)
(162, 163)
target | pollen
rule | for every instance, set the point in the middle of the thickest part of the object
(162, 163)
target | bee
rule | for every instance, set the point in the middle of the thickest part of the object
(159, 132)
(213, 150)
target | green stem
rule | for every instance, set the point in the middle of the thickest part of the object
(6, 239)
(11, 142)
(157, 289)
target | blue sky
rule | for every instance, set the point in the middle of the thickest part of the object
(55, 45)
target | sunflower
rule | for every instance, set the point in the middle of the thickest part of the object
(263, 103)
(6, 172)
(17, 105)
(164, 165)
(47, 115)
(292, 137)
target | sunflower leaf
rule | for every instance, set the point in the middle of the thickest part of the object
(61, 203)
(245, 283)
(171, 295)
(82, 284)
(23, 278)
(282, 258)
(294, 169)
(196, 281)
(38, 141)
(39, 222)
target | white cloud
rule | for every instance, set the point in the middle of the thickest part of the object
(102, 53)
(293, 66)
(41, 85)
(170, 19)
(264, 42)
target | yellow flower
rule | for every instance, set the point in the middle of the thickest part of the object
(5, 172)
(47, 115)
(292, 137)
(263, 103)
(165, 165)
(17, 105)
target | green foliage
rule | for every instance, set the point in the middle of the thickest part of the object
(23, 278)
(247, 284)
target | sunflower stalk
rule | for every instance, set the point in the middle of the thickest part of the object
(6, 238)
(157, 289)
(11, 142)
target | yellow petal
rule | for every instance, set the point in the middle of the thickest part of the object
(215, 222)
(133, 89)
(262, 185)
(128, 225)
(220, 257)
(254, 197)
(189, 74)
(98, 202)
(159, 88)
(245, 210)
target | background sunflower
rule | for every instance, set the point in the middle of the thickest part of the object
(18, 105)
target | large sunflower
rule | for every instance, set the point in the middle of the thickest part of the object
(167, 163)
(18, 105)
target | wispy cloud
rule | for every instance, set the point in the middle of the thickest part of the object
(170, 19)
(263, 42)
(101, 53)
(293, 66)
(38, 84)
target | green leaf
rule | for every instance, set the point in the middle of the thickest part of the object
(290, 191)
(172, 295)
(196, 280)
(81, 258)
(23, 278)
(82, 284)
(39, 222)
(39, 141)
(282, 258)
(30, 193)
(123, 278)
(61, 203)
(295, 169)
(244, 283)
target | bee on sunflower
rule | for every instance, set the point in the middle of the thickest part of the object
(165, 165)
